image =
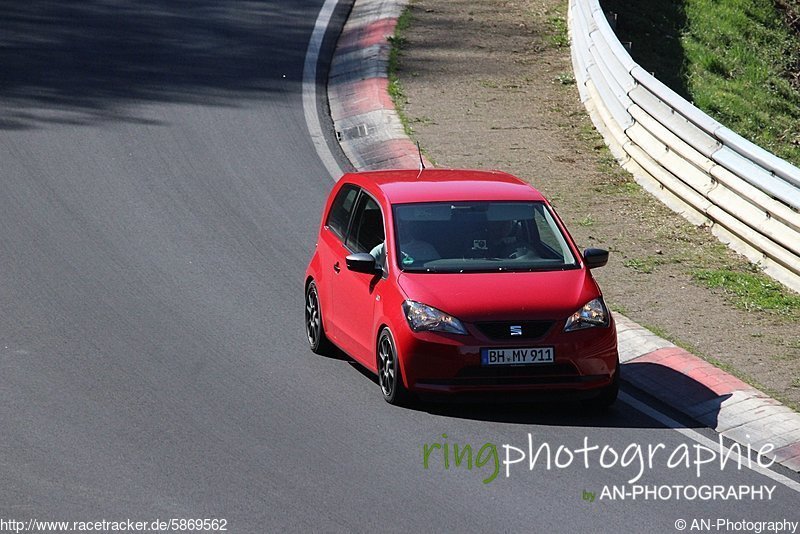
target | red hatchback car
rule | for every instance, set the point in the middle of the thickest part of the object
(455, 281)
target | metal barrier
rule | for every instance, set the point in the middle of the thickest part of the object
(712, 176)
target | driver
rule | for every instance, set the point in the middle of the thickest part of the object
(503, 241)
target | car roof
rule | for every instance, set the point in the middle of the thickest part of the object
(444, 185)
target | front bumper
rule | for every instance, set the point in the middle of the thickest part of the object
(436, 363)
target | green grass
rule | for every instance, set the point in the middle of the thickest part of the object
(566, 78)
(738, 66)
(640, 265)
(751, 291)
(396, 92)
(619, 187)
(648, 264)
(735, 59)
(619, 308)
(558, 37)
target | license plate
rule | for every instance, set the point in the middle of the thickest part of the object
(517, 356)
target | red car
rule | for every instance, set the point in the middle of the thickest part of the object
(456, 281)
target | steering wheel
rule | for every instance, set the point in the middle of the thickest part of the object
(520, 252)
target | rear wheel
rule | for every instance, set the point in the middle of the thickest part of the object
(315, 333)
(389, 377)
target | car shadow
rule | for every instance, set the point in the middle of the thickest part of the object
(678, 390)
(668, 389)
(335, 353)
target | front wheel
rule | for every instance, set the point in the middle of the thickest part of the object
(389, 378)
(315, 333)
(607, 396)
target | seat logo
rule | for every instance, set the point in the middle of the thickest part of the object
(515, 330)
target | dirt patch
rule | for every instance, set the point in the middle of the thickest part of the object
(490, 85)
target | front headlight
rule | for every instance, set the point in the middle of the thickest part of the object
(591, 314)
(422, 317)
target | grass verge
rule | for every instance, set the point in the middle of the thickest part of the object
(397, 42)
(751, 291)
(737, 60)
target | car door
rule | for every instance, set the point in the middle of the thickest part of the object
(331, 250)
(355, 293)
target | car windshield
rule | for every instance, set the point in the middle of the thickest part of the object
(479, 237)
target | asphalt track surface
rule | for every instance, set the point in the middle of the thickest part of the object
(160, 195)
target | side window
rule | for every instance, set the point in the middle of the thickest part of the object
(341, 209)
(367, 231)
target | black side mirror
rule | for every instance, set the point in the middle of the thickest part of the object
(362, 263)
(595, 257)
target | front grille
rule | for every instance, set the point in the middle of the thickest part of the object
(514, 330)
(557, 373)
(498, 371)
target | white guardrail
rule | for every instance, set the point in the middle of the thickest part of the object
(692, 163)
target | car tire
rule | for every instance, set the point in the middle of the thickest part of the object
(315, 331)
(390, 379)
(607, 397)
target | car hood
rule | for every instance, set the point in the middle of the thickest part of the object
(502, 296)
